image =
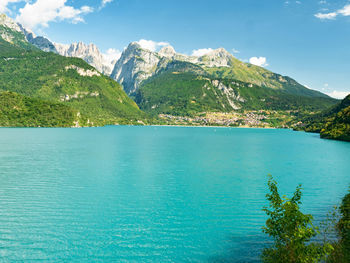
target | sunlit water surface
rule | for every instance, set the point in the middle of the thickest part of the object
(155, 194)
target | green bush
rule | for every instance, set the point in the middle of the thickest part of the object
(341, 253)
(291, 230)
(21, 111)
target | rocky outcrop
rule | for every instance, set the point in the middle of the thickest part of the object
(232, 96)
(90, 53)
(167, 51)
(9, 23)
(216, 58)
(7, 29)
(84, 72)
(137, 64)
(134, 66)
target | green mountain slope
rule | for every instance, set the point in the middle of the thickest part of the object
(21, 111)
(261, 77)
(10, 32)
(70, 81)
(333, 123)
(137, 64)
(182, 89)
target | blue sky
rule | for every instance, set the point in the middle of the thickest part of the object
(308, 40)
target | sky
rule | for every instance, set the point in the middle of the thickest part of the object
(308, 40)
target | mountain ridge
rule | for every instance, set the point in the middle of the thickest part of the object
(161, 82)
(137, 64)
(183, 89)
(52, 79)
(332, 123)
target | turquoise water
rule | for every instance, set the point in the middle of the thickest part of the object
(155, 194)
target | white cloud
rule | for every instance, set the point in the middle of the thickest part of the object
(112, 55)
(292, 2)
(345, 11)
(258, 61)
(331, 15)
(235, 51)
(201, 52)
(338, 94)
(104, 2)
(41, 12)
(151, 45)
(5, 3)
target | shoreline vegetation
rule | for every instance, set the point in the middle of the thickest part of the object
(296, 239)
(18, 111)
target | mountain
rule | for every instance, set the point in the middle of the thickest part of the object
(183, 89)
(166, 82)
(163, 82)
(12, 33)
(90, 53)
(137, 65)
(134, 66)
(54, 79)
(40, 42)
(333, 123)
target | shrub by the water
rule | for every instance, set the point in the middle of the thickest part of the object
(291, 230)
(341, 253)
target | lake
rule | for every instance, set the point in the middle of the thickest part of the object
(155, 194)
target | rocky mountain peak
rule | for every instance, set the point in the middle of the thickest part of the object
(81, 48)
(88, 52)
(217, 58)
(133, 46)
(218, 53)
(135, 65)
(8, 28)
(221, 50)
(167, 51)
(138, 64)
(61, 48)
(9, 23)
(26, 35)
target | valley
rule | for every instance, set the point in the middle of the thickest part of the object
(150, 87)
(174, 131)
